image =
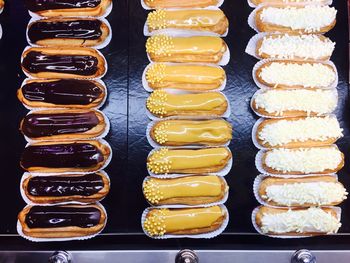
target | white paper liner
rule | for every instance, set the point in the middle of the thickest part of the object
(335, 94)
(204, 235)
(149, 89)
(220, 202)
(102, 84)
(264, 61)
(37, 239)
(257, 228)
(221, 173)
(36, 173)
(29, 202)
(325, 2)
(0, 29)
(146, 7)
(260, 168)
(100, 46)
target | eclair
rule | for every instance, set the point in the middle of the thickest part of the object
(298, 132)
(303, 161)
(258, 2)
(2, 3)
(62, 93)
(294, 102)
(298, 221)
(209, 20)
(183, 221)
(190, 132)
(63, 124)
(190, 190)
(294, 46)
(84, 32)
(69, 8)
(188, 161)
(62, 221)
(158, 4)
(302, 192)
(204, 49)
(54, 189)
(188, 77)
(297, 18)
(59, 62)
(164, 104)
(65, 156)
(295, 74)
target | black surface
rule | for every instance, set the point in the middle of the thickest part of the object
(125, 108)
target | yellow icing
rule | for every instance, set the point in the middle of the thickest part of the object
(179, 3)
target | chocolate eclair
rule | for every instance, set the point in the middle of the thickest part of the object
(54, 8)
(54, 189)
(39, 223)
(62, 93)
(64, 125)
(61, 157)
(85, 32)
(60, 62)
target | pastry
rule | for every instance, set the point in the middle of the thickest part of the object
(63, 124)
(298, 132)
(294, 46)
(64, 221)
(188, 161)
(209, 20)
(60, 157)
(295, 74)
(87, 32)
(303, 161)
(297, 18)
(59, 62)
(163, 104)
(297, 222)
(183, 221)
(204, 49)
(302, 192)
(190, 190)
(155, 4)
(2, 3)
(61, 8)
(189, 132)
(294, 102)
(53, 189)
(185, 77)
(62, 93)
(258, 2)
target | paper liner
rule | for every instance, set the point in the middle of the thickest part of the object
(221, 173)
(100, 46)
(325, 2)
(0, 29)
(257, 228)
(204, 235)
(149, 89)
(37, 239)
(29, 202)
(146, 7)
(221, 202)
(264, 61)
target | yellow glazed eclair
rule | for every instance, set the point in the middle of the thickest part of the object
(191, 19)
(189, 132)
(190, 190)
(302, 192)
(188, 77)
(183, 221)
(298, 221)
(155, 4)
(204, 49)
(164, 104)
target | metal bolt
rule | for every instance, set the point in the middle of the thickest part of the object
(60, 257)
(303, 256)
(186, 256)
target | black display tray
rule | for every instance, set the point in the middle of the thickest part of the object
(125, 108)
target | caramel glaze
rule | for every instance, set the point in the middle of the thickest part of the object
(41, 5)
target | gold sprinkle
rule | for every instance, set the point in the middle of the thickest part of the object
(160, 45)
(155, 223)
(158, 163)
(156, 73)
(161, 133)
(156, 103)
(157, 20)
(152, 191)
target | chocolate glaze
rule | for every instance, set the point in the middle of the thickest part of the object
(83, 65)
(62, 92)
(38, 125)
(62, 216)
(85, 185)
(85, 29)
(70, 155)
(41, 5)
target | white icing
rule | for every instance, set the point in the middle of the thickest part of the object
(284, 131)
(300, 221)
(309, 18)
(304, 160)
